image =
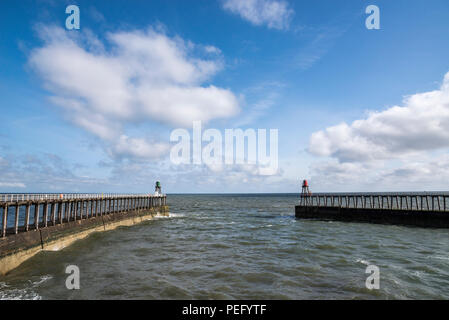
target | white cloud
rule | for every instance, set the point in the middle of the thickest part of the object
(420, 173)
(12, 185)
(422, 124)
(276, 14)
(142, 76)
(402, 146)
(41, 173)
(137, 148)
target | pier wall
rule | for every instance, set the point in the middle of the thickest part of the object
(432, 219)
(18, 244)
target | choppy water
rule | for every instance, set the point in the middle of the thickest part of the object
(241, 247)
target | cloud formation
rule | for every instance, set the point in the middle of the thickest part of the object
(402, 145)
(131, 77)
(275, 14)
(45, 172)
(422, 124)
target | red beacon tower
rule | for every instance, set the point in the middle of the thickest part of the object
(305, 194)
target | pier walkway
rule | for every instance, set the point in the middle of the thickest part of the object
(425, 209)
(31, 223)
(25, 212)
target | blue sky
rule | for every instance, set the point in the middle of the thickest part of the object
(91, 110)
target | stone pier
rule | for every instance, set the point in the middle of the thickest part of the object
(32, 223)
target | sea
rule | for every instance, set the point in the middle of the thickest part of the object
(241, 246)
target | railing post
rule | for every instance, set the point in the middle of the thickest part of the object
(36, 215)
(27, 216)
(45, 213)
(16, 219)
(68, 210)
(53, 213)
(59, 212)
(5, 220)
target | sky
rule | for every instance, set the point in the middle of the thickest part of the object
(93, 109)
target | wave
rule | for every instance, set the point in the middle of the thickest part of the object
(366, 263)
(8, 293)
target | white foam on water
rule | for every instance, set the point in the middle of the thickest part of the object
(366, 263)
(41, 280)
(3, 285)
(175, 215)
(19, 294)
(441, 257)
(22, 294)
(170, 215)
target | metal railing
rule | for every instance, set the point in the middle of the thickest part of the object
(412, 201)
(25, 212)
(64, 196)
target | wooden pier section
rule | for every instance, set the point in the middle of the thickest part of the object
(33, 222)
(417, 209)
